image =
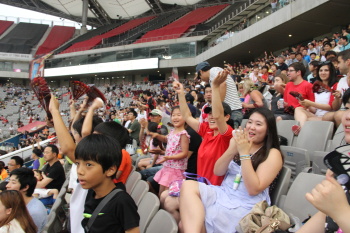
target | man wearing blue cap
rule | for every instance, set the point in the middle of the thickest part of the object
(228, 90)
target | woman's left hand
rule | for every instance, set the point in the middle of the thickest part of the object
(242, 142)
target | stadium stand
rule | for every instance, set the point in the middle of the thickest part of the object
(134, 34)
(57, 36)
(4, 25)
(22, 38)
(180, 26)
(88, 44)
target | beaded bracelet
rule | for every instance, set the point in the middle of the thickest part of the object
(244, 156)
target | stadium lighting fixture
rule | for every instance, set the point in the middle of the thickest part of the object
(188, 73)
(267, 12)
(290, 35)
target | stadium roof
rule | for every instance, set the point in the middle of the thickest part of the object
(102, 12)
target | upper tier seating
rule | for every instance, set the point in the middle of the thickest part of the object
(88, 44)
(57, 36)
(180, 26)
(4, 25)
(22, 38)
(90, 34)
(132, 35)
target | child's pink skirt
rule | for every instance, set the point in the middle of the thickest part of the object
(166, 175)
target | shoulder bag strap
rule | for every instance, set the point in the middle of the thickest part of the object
(99, 208)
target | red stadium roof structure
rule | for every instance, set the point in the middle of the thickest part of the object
(32, 127)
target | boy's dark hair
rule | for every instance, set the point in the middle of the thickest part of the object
(78, 124)
(114, 130)
(25, 177)
(330, 52)
(133, 113)
(153, 127)
(54, 149)
(37, 152)
(101, 149)
(298, 66)
(19, 160)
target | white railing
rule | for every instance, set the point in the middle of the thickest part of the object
(25, 153)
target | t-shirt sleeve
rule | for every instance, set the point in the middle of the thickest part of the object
(126, 212)
(54, 173)
(123, 163)
(36, 164)
(310, 95)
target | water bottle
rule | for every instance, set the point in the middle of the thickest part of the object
(297, 223)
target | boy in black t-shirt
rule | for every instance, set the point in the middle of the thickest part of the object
(98, 158)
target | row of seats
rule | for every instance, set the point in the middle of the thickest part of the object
(88, 44)
(22, 38)
(4, 25)
(180, 26)
(57, 36)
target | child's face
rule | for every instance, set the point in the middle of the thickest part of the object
(91, 175)
(38, 176)
(177, 119)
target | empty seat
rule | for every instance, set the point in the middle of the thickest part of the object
(296, 159)
(132, 181)
(162, 222)
(139, 191)
(148, 207)
(295, 203)
(314, 135)
(282, 184)
(284, 128)
(338, 138)
(318, 166)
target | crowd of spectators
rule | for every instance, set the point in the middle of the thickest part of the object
(193, 126)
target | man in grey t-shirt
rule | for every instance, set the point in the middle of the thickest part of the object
(228, 90)
(23, 180)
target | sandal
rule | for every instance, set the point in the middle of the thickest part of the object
(296, 129)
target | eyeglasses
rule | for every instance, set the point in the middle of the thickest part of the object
(290, 71)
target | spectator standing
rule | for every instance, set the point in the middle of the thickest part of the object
(134, 126)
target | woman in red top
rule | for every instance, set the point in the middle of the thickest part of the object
(216, 133)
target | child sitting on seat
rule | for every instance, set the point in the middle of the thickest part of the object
(43, 193)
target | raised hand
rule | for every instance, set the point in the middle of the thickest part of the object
(54, 105)
(242, 142)
(220, 78)
(178, 87)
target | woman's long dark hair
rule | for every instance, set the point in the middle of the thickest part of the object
(271, 140)
(332, 73)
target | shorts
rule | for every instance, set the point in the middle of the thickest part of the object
(43, 193)
(166, 175)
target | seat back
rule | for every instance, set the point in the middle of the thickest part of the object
(282, 184)
(314, 135)
(243, 123)
(148, 207)
(295, 202)
(284, 128)
(338, 138)
(162, 222)
(139, 191)
(318, 166)
(131, 181)
(57, 217)
(296, 159)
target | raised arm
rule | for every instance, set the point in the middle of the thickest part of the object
(222, 163)
(78, 113)
(87, 125)
(64, 138)
(185, 111)
(72, 109)
(217, 109)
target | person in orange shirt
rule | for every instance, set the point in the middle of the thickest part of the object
(3, 172)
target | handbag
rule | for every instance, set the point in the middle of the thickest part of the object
(264, 219)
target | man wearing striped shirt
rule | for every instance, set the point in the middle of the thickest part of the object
(228, 90)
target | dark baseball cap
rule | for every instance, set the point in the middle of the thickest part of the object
(201, 65)
(227, 109)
